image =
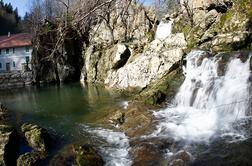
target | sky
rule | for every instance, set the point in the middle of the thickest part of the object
(22, 5)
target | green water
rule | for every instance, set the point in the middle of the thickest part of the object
(61, 108)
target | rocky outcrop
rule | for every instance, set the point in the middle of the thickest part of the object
(56, 55)
(8, 139)
(137, 25)
(152, 64)
(220, 25)
(30, 159)
(99, 60)
(37, 137)
(80, 155)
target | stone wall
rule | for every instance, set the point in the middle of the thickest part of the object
(15, 79)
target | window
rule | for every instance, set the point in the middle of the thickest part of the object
(27, 59)
(14, 64)
(27, 49)
(7, 50)
(0, 65)
(13, 50)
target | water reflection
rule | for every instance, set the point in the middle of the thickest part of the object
(60, 107)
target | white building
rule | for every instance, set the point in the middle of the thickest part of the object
(15, 52)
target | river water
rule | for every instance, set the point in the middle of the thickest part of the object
(71, 112)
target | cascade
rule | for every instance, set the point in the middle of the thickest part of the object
(209, 101)
(163, 30)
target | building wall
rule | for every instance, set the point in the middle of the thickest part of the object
(16, 59)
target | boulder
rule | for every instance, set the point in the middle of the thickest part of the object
(30, 159)
(37, 137)
(8, 145)
(149, 151)
(80, 155)
(8, 139)
(181, 158)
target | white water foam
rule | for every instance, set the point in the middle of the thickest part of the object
(163, 30)
(206, 103)
(116, 151)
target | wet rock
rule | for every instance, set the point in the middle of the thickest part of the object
(163, 89)
(80, 155)
(183, 155)
(30, 159)
(8, 145)
(177, 162)
(8, 139)
(181, 158)
(150, 151)
(37, 137)
(87, 155)
(138, 120)
(118, 118)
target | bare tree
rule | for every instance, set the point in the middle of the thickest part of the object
(189, 11)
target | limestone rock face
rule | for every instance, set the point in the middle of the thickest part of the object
(98, 60)
(206, 4)
(121, 57)
(57, 55)
(221, 25)
(138, 23)
(150, 65)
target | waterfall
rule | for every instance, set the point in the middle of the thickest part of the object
(208, 102)
(163, 30)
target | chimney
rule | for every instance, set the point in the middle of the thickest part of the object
(9, 34)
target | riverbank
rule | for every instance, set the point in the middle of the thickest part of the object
(15, 79)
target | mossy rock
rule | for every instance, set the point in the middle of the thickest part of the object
(86, 155)
(30, 159)
(80, 155)
(37, 137)
(163, 89)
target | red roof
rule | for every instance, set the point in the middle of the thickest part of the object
(16, 40)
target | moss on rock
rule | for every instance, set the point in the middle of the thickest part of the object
(37, 137)
(30, 159)
(163, 89)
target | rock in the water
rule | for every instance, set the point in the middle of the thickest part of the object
(8, 145)
(149, 151)
(80, 155)
(118, 118)
(86, 155)
(181, 158)
(37, 137)
(8, 139)
(29, 159)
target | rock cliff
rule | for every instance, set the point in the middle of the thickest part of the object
(57, 54)
(221, 25)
